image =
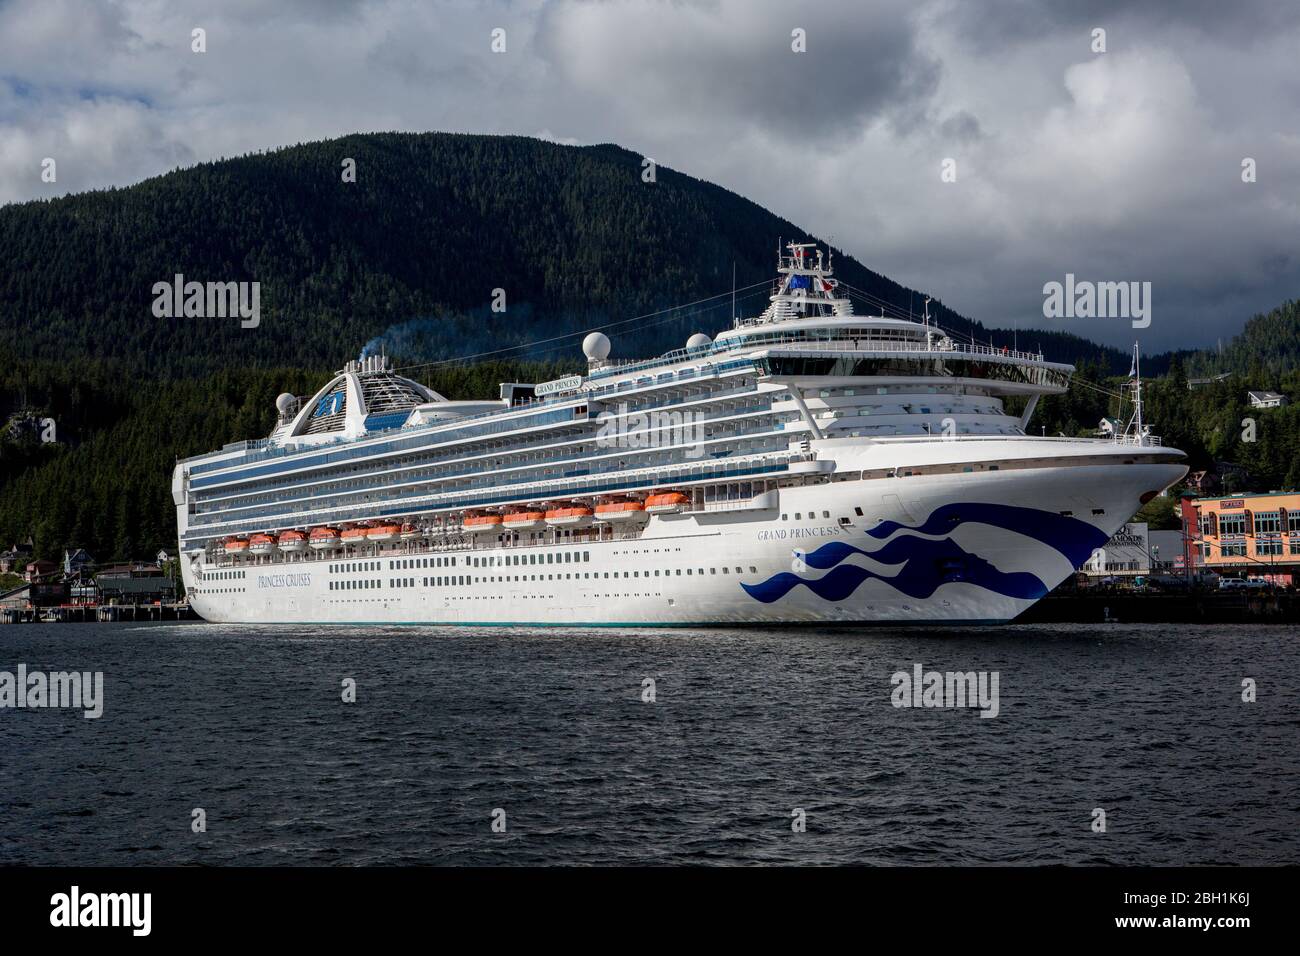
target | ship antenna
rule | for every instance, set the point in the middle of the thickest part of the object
(1135, 383)
(1137, 393)
(734, 317)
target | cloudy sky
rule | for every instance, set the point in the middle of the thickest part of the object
(1116, 165)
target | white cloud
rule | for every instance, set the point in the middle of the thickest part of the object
(1120, 165)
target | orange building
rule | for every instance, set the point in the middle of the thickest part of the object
(1246, 535)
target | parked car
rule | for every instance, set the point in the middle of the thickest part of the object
(1244, 584)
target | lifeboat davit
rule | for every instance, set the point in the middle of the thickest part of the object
(353, 535)
(324, 539)
(292, 541)
(482, 522)
(383, 532)
(668, 501)
(524, 520)
(261, 544)
(236, 545)
(409, 532)
(570, 516)
(621, 511)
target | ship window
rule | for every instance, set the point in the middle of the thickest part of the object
(798, 516)
(858, 512)
(1099, 511)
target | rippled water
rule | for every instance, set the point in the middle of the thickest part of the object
(1146, 722)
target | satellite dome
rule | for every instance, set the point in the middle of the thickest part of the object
(284, 403)
(596, 347)
(698, 341)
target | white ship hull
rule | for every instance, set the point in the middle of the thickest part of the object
(957, 548)
(809, 465)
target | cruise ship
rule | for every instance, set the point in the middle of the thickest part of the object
(809, 465)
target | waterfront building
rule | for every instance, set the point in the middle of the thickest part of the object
(1249, 535)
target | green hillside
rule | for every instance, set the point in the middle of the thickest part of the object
(408, 257)
(433, 224)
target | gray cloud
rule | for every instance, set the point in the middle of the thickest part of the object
(1124, 165)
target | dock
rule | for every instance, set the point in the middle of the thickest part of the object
(1196, 607)
(102, 613)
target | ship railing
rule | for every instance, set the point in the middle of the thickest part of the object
(840, 344)
(1148, 441)
(266, 452)
(451, 431)
(432, 470)
(1140, 440)
(576, 487)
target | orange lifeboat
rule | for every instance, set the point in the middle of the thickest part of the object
(524, 520)
(261, 544)
(568, 517)
(409, 532)
(621, 511)
(354, 535)
(324, 539)
(383, 532)
(666, 502)
(482, 522)
(236, 545)
(292, 541)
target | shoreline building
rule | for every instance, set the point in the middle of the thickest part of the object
(1136, 551)
(1254, 535)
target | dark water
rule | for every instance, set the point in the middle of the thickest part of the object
(1145, 722)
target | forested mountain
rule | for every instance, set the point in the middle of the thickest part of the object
(1267, 348)
(408, 256)
(106, 484)
(416, 245)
